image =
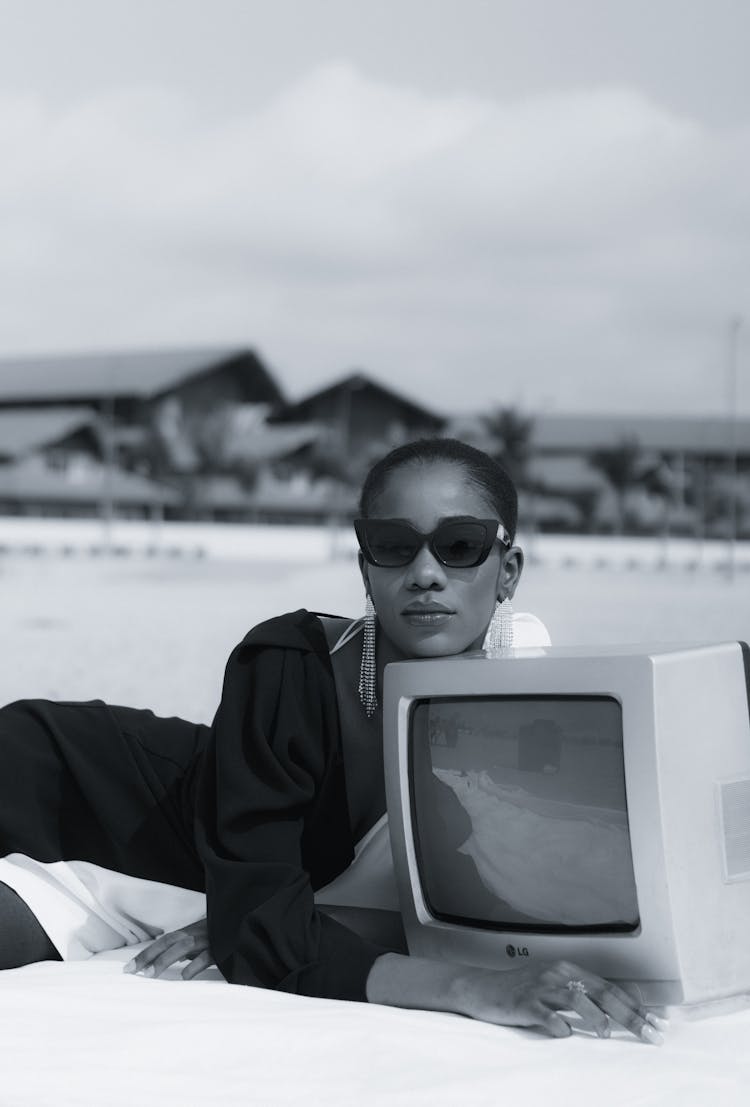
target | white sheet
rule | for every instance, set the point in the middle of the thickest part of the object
(85, 1034)
(86, 908)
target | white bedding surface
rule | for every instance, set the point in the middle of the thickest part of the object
(85, 1033)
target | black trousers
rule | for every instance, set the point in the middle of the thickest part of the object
(91, 782)
(22, 939)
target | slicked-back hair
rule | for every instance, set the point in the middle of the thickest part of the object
(489, 477)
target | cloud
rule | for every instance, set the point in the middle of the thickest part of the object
(579, 249)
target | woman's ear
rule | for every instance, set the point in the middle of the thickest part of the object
(510, 572)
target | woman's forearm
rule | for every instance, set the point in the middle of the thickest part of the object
(401, 981)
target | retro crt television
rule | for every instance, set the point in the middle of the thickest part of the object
(591, 804)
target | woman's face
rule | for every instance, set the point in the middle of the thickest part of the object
(425, 609)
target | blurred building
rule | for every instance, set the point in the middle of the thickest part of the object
(153, 402)
(662, 472)
(130, 385)
(208, 434)
(53, 462)
(359, 419)
(186, 433)
(120, 432)
(642, 474)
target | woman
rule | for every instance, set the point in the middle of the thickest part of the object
(268, 805)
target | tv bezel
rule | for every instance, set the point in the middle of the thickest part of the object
(649, 959)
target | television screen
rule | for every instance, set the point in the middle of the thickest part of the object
(520, 814)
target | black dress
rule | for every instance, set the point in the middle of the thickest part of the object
(252, 809)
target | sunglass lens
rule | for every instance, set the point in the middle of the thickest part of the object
(391, 545)
(461, 545)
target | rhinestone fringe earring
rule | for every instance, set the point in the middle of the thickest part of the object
(499, 634)
(367, 692)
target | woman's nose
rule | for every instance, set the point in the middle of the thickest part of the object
(426, 571)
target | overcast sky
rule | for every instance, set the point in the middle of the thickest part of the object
(543, 203)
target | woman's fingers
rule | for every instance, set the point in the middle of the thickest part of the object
(561, 992)
(147, 956)
(612, 1001)
(178, 951)
(626, 1012)
(203, 961)
(541, 1015)
(157, 957)
(188, 943)
(576, 999)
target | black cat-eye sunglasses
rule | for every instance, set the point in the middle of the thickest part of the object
(458, 543)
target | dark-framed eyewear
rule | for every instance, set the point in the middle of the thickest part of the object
(460, 543)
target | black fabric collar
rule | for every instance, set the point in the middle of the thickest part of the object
(297, 630)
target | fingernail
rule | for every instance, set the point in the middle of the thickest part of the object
(148, 971)
(649, 1034)
(130, 967)
(657, 1021)
(604, 1032)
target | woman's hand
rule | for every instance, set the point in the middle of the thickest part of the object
(531, 996)
(189, 943)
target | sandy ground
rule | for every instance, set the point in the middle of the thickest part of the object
(155, 632)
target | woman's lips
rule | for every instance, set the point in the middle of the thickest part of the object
(427, 616)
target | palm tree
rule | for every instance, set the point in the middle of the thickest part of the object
(510, 433)
(622, 465)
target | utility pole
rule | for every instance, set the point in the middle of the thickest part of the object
(735, 323)
(107, 508)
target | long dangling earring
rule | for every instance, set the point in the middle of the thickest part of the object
(367, 670)
(499, 634)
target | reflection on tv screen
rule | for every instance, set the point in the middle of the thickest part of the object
(520, 812)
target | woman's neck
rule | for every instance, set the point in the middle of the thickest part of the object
(385, 653)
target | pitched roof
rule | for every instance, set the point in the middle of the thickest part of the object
(140, 373)
(357, 384)
(567, 433)
(669, 432)
(23, 430)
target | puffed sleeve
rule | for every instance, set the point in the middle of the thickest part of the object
(266, 767)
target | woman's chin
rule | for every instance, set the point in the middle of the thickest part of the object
(436, 645)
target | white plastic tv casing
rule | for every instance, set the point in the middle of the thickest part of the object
(686, 748)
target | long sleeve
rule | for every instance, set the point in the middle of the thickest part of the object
(272, 824)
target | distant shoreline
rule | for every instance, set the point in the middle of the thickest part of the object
(293, 544)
